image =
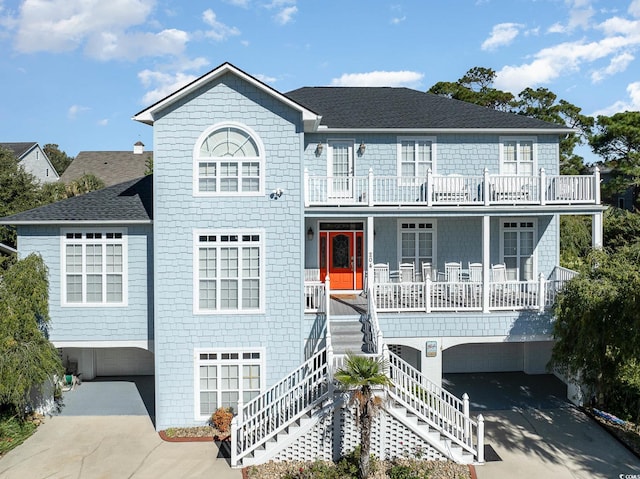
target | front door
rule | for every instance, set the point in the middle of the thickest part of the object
(341, 257)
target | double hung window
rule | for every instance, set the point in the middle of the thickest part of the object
(518, 156)
(225, 377)
(416, 157)
(229, 272)
(228, 161)
(94, 267)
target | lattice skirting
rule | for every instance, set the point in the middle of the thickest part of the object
(337, 434)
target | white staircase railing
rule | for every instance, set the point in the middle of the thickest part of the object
(270, 413)
(437, 407)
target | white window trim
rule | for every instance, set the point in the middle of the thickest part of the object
(196, 160)
(63, 267)
(534, 255)
(518, 139)
(434, 149)
(196, 286)
(434, 227)
(196, 371)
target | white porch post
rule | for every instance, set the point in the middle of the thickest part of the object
(486, 258)
(485, 186)
(543, 187)
(596, 185)
(370, 237)
(306, 187)
(596, 231)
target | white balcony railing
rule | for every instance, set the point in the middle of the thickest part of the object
(441, 190)
(432, 296)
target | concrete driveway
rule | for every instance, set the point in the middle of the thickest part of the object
(95, 440)
(537, 433)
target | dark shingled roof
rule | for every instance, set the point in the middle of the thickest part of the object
(112, 167)
(18, 149)
(130, 201)
(385, 107)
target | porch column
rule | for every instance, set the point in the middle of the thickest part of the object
(596, 231)
(370, 235)
(486, 259)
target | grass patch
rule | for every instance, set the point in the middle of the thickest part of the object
(14, 432)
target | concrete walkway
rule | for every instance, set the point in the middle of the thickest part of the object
(95, 447)
(537, 433)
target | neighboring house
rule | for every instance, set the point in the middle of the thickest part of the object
(624, 199)
(34, 160)
(258, 197)
(112, 167)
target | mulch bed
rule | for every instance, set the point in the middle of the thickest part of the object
(193, 434)
(627, 434)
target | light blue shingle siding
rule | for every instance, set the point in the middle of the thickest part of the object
(462, 154)
(519, 324)
(113, 323)
(178, 213)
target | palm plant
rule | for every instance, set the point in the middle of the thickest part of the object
(359, 375)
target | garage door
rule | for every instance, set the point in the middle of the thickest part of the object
(494, 357)
(123, 362)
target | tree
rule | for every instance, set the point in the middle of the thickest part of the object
(575, 241)
(59, 159)
(27, 359)
(19, 191)
(359, 376)
(597, 330)
(475, 87)
(620, 228)
(541, 104)
(617, 140)
(85, 184)
(148, 164)
(58, 191)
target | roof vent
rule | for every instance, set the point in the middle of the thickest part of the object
(138, 148)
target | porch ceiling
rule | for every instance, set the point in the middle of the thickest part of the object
(451, 211)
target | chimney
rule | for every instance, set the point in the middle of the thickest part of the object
(138, 148)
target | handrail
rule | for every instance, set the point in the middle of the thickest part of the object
(376, 333)
(443, 296)
(272, 411)
(434, 405)
(447, 190)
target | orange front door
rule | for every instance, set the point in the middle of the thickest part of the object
(341, 254)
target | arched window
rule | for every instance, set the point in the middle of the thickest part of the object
(228, 160)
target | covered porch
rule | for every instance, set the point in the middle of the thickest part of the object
(502, 261)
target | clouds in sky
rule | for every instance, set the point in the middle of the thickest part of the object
(632, 104)
(593, 43)
(601, 50)
(218, 31)
(379, 78)
(105, 30)
(502, 34)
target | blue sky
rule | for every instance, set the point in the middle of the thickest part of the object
(75, 71)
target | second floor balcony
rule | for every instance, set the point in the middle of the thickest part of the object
(452, 190)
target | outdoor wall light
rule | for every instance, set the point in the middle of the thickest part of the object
(362, 148)
(276, 194)
(319, 148)
(310, 233)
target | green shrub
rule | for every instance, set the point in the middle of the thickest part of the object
(402, 472)
(13, 432)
